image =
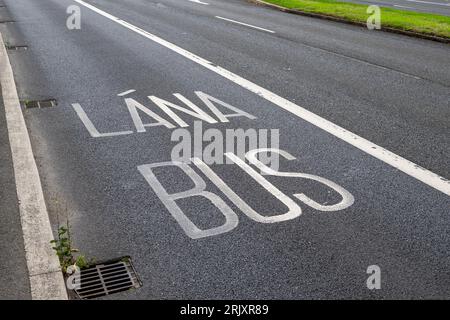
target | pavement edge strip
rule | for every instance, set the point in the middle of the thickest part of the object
(336, 19)
(46, 279)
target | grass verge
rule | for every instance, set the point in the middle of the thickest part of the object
(425, 23)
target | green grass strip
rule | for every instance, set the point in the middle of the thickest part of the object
(426, 23)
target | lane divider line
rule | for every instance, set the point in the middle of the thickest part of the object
(199, 2)
(429, 2)
(245, 24)
(404, 7)
(46, 279)
(126, 92)
(431, 179)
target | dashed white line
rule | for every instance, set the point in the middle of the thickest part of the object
(126, 92)
(404, 7)
(428, 2)
(433, 180)
(199, 2)
(245, 24)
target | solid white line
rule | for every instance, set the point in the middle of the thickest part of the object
(199, 2)
(404, 165)
(44, 271)
(428, 2)
(245, 24)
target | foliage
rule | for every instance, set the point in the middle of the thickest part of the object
(426, 23)
(65, 251)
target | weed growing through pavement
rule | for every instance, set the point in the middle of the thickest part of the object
(67, 254)
(69, 257)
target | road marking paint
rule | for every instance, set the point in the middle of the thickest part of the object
(199, 2)
(126, 92)
(405, 7)
(429, 2)
(231, 218)
(199, 190)
(46, 280)
(347, 197)
(90, 126)
(293, 212)
(402, 164)
(245, 24)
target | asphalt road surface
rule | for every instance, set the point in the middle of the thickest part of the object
(361, 206)
(436, 6)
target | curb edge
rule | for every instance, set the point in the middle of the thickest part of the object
(46, 279)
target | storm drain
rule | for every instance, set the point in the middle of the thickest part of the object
(16, 48)
(40, 103)
(107, 278)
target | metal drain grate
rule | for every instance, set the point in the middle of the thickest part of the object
(15, 48)
(107, 278)
(40, 104)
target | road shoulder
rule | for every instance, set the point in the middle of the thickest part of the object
(45, 277)
(13, 265)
